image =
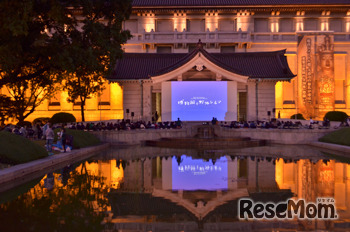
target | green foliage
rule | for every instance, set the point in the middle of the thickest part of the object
(340, 137)
(7, 109)
(297, 116)
(91, 60)
(338, 116)
(29, 94)
(15, 149)
(40, 43)
(62, 117)
(81, 139)
(67, 207)
(42, 120)
(25, 123)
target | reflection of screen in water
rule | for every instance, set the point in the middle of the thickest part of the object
(193, 174)
(198, 100)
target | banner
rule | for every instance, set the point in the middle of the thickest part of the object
(315, 75)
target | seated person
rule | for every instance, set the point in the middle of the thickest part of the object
(252, 125)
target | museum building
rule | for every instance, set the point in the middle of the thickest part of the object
(256, 59)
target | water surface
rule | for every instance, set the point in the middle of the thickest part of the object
(157, 189)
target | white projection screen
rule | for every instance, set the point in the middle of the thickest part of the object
(199, 100)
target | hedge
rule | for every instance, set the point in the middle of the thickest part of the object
(338, 116)
(297, 116)
(62, 118)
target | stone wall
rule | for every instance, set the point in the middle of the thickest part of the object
(279, 136)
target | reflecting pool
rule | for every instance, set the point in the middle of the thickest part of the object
(159, 189)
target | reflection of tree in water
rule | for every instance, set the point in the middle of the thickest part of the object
(77, 206)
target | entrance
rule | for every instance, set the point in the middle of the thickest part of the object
(242, 106)
(157, 107)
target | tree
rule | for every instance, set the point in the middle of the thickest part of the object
(94, 47)
(6, 109)
(27, 95)
(53, 38)
(31, 36)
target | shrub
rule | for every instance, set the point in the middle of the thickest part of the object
(43, 120)
(62, 118)
(24, 123)
(297, 116)
(338, 116)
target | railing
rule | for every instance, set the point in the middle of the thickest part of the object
(191, 37)
(222, 37)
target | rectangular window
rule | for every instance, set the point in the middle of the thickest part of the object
(105, 96)
(56, 99)
(164, 25)
(227, 25)
(336, 25)
(261, 25)
(196, 25)
(131, 25)
(286, 25)
(227, 49)
(311, 24)
(163, 49)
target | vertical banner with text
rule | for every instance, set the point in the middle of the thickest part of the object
(316, 75)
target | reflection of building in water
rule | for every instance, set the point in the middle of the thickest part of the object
(158, 174)
(107, 169)
(311, 180)
(156, 177)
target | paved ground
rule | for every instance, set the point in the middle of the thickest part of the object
(345, 150)
(19, 174)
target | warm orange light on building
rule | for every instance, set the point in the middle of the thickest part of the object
(180, 21)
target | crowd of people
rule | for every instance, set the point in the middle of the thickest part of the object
(37, 131)
(125, 125)
(278, 124)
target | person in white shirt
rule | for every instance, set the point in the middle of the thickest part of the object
(49, 138)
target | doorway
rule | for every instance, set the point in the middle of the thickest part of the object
(242, 106)
(157, 107)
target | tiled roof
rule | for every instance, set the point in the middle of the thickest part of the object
(154, 3)
(266, 65)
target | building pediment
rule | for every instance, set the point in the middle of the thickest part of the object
(199, 61)
(238, 67)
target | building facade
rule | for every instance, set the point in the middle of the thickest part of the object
(314, 35)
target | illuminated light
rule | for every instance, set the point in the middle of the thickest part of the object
(211, 21)
(300, 25)
(347, 26)
(117, 174)
(279, 172)
(279, 95)
(116, 97)
(180, 22)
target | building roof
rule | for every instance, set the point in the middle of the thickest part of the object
(255, 65)
(155, 3)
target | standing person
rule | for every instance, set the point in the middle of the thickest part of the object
(63, 138)
(49, 138)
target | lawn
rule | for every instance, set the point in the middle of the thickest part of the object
(341, 137)
(81, 139)
(15, 149)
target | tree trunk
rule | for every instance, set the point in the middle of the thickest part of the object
(82, 111)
